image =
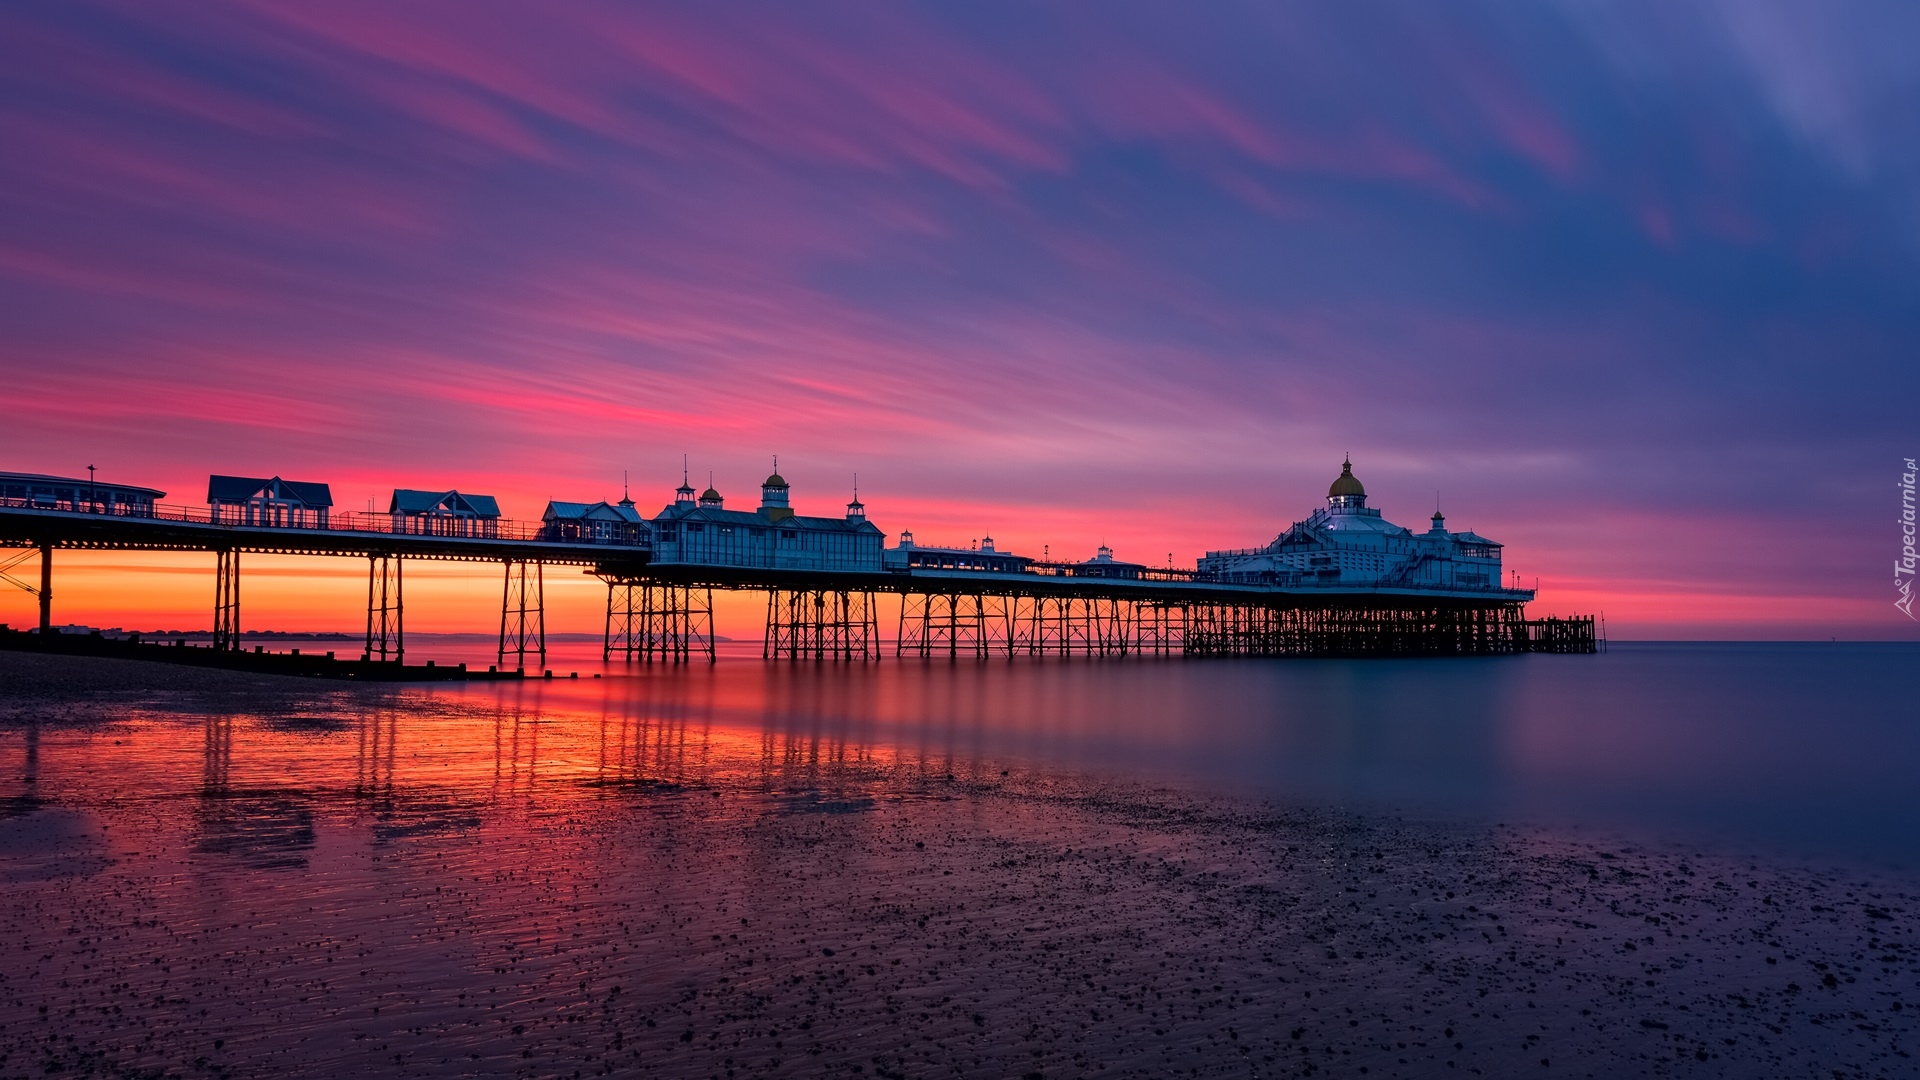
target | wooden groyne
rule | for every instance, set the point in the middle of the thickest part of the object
(260, 661)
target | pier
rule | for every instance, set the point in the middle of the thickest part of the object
(1430, 594)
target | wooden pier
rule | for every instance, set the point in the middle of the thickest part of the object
(664, 612)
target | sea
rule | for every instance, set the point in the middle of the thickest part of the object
(1665, 858)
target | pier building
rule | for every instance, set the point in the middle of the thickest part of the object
(444, 513)
(594, 523)
(1348, 545)
(272, 502)
(37, 491)
(981, 557)
(1343, 582)
(1104, 565)
(702, 531)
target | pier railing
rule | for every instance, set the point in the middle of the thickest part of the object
(351, 521)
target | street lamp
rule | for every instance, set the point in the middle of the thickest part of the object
(93, 497)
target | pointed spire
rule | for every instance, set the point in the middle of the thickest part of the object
(856, 509)
(683, 493)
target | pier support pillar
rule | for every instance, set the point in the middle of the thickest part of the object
(622, 635)
(651, 620)
(821, 624)
(953, 624)
(386, 614)
(46, 588)
(523, 612)
(226, 601)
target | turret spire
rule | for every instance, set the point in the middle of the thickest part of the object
(683, 493)
(856, 510)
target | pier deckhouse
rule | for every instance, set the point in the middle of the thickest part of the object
(1104, 565)
(247, 500)
(1349, 544)
(444, 513)
(37, 491)
(594, 523)
(700, 530)
(981, 557)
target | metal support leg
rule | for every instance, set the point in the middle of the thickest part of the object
(695, 619)
(386, 614)
(621, 635)
(226, 601)
(523, 613)
(46, 588)
(821, 624)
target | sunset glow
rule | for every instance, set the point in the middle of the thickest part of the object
(1638, 305)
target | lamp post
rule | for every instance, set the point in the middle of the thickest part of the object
(93, 497)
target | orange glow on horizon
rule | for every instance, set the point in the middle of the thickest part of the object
(174, 591)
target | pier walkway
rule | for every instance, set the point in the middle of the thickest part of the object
(663, 611)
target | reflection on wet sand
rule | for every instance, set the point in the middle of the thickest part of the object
(687, 882)
(259, 828)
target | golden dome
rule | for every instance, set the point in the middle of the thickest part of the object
(1346, 483)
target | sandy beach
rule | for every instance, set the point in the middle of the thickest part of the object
(775, 917)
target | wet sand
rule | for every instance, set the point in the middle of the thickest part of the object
(757, 911)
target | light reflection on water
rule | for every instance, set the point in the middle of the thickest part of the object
(1803, 747)
(801, 867)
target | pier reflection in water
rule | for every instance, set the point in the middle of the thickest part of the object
(1717, 737)
(1740, 738)
(913, 866)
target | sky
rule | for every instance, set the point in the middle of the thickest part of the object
(1629, 287)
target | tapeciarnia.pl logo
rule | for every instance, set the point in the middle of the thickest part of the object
(1903, 566)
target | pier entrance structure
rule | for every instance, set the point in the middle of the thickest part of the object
(1342, 582)
(277, 517)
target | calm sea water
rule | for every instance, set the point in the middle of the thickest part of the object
(977, 870)
(1802, 749)
(1797, 748)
